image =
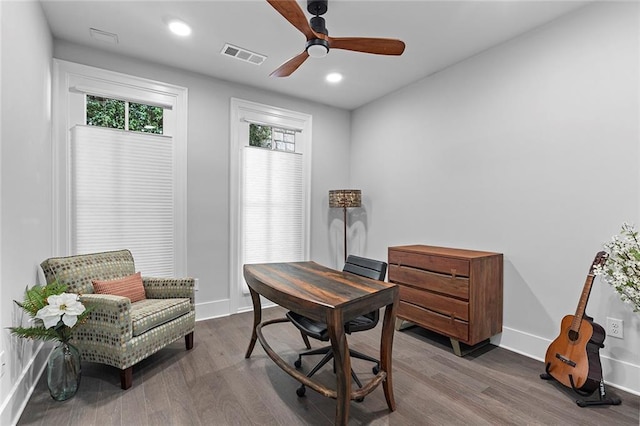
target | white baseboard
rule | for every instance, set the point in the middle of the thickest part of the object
(222, 308)
(619, 374)
(21, 391)
(210, 310)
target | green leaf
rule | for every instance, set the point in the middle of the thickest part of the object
(35, 298)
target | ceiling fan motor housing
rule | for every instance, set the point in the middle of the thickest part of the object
(318, 47)
(317, 7)
(318, 25)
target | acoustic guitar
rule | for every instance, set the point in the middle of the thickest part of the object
(573, 358)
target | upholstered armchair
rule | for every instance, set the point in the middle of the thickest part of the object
(119, 332)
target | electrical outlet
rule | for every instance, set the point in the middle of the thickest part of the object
(3, 363)
(196, 284)
(615, 328)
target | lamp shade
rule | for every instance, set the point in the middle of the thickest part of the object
(345, 198)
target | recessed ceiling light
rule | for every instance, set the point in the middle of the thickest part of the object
(179, 27)
(334, 77)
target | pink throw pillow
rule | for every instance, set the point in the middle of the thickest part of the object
(130, 287)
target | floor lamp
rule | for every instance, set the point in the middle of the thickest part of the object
(344, 198)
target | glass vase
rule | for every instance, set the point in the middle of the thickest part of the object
(63, 371)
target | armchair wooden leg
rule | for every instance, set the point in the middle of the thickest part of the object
(126, 378)
(188, 341)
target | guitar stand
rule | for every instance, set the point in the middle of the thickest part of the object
(602, 398)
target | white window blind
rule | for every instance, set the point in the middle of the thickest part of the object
(122, 187)
(272, 218)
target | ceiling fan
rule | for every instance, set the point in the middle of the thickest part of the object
(318, 40)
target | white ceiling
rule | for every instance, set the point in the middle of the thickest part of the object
(437, 34)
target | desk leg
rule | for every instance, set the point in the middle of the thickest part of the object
(386, 346)
(257, 318)
(338, 338)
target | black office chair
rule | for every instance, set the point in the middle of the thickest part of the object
(369, 268)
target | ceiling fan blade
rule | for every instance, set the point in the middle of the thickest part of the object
(286, 69)
(378, 46)
(290, 10)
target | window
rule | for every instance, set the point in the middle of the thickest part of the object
(272, 206)
(270, 181)
(120, 167)
(124, 115)
(272, 137)
(122, 187)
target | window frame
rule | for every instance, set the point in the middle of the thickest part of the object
(71, 82)
(242, 113)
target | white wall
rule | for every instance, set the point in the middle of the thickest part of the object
(529, 149)
(25, 194)
(208, 165)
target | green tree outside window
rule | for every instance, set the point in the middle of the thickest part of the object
(259, 135)
(145, 118)
(272, 138)
(111, 113)
(105, 112)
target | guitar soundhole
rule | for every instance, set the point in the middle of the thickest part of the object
(573, 335)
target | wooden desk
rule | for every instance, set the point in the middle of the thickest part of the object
(334, 297)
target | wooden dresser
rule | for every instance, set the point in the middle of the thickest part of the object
(455, 292)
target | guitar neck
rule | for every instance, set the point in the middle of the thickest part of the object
(582, 304)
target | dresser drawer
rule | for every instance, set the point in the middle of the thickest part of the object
(444, 305)
(446, 284)
(434, 321)
(444, 265)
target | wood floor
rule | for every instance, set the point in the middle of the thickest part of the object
(214, 384)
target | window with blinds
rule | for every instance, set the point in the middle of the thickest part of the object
(272, 214)
(270, 181)
(122, 188)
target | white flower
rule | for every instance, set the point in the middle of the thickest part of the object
(622, 269)
(63, 306)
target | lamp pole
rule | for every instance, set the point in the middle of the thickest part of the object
(345, 198)
(344, 209)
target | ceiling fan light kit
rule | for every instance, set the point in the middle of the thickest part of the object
(319, 43)
(317, 48)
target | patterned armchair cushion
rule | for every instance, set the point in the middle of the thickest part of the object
(170, 288)
(77, 272)
(150, 313)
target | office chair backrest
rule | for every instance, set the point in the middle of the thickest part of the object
(369, 268)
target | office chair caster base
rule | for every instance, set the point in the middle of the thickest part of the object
(301, 391)
(375, 369)
(298, 363)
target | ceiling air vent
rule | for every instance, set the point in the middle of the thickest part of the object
(104, 36)
(243, 54)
